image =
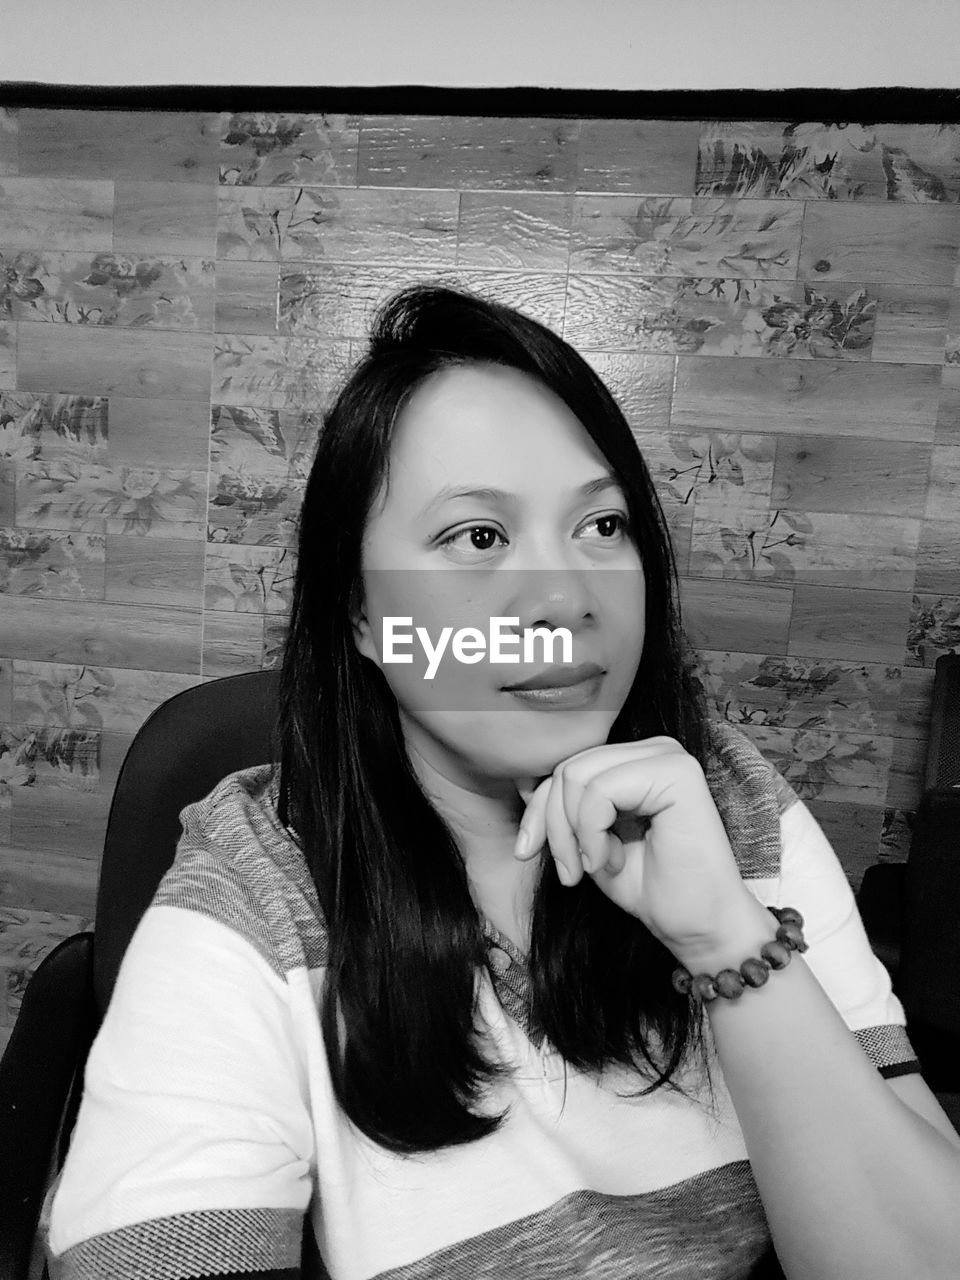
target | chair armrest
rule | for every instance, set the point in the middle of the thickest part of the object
(930, 963)
(41, 1078)
(880, 902)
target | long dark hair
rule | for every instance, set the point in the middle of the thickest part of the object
(405, 939)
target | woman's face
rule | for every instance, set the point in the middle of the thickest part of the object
(499, 505)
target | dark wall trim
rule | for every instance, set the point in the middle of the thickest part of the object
(842, 105)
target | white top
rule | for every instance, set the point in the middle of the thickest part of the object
(209, 1128)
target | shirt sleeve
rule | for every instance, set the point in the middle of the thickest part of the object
(840, 956)
(193, 1150)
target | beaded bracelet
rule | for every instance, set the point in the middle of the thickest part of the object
(754, 972)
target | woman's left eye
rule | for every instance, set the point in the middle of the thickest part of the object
(610, 525)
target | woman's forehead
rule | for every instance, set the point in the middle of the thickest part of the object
(471, 423)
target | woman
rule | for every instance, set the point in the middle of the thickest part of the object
(495, 880)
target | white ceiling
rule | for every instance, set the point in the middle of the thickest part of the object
(577, 44)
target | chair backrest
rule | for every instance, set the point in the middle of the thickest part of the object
(929, 978)
(943, 748)
(179, 755)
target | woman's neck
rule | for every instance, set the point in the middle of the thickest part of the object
(484, 817)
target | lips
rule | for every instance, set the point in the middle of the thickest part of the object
(559, 677)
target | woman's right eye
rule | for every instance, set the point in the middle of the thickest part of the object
(480, 538)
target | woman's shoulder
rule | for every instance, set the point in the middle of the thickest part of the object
(238, 864)
(751, 797)
(734, 759)
(240, 814)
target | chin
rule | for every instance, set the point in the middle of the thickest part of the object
(542, 746)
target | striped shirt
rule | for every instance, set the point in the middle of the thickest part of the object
(209, 1132)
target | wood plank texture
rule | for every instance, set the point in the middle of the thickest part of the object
(911, 323)
(728, 615)
(844, 622)
(6, 689)
(56, 213)
(247, 297)
(948, 413)
(641, 384)
(166, 432)
(938, 557)
(140, 145)
(165, 218)
(8, 493)
(943, 493)
(469, 152)
(9, 141)
(774, 304)
(8, 356)
(654, 156)
(167, 571)
(232, 642)
(915, 706)
(340, 224)
(106, 362)
(149, 637)
(525, 231)
(815, 473)
(884, 402)
(60, 880)
(890, 243)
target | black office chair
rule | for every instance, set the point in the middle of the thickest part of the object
(911, 910)
(185, 747)
(182, 751)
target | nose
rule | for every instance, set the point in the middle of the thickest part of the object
(557, 598)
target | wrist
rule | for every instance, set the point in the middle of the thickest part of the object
(741, 933)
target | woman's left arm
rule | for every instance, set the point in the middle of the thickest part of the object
(859, 1176)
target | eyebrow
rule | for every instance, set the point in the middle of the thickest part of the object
(449, 492)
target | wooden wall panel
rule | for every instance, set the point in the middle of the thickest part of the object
(165, 217)
(8, 356)
(658, 156)
(55, 213)
(524, 231)
(147, 145)
(776, 305)
(468, 152)
(125, 362)
(9, 141)
(883, 402)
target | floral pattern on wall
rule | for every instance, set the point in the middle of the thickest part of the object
(261, 147)
(776, 304)
(41, 426)
(830, 161)
(48, 564)
(64, 494)
(934, 628)
(107, 289)
(259, 462)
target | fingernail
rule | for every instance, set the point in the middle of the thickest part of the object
(523, 843)
(563, 873)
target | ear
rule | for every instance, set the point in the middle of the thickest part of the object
(363, 634)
